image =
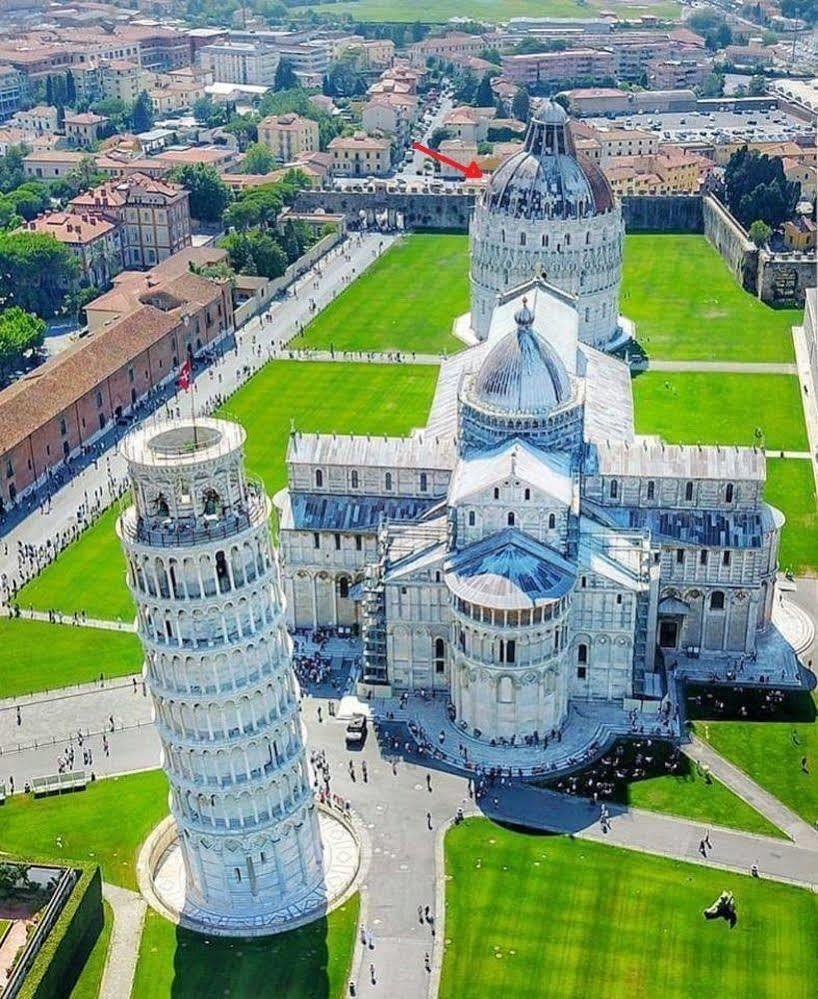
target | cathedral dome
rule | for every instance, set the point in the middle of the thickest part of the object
(548, 178)
(521, 373)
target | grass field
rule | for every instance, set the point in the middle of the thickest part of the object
(771, 753)
(312, 962)
(41, 656)
(346, 398)
(717, 408)
(437, 11)
(688, 306)
(406, 301)
(532, 915)
(791, 487)
(90, 979)
(105, 823)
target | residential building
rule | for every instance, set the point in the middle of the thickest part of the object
(49, 164)
(360, 155)
(670, 171)
(601, 143)
(468, 123)
(154, 216)
(799, 233)
(802, 171)
(584, 102)
(536, 69)
(13, 90)
(461, 151)
(309, 60)
(288, 135)
(83, 129)
(120, 80)
(445, 47)
(683, 71)
(390, 114)
(93, 239)
(241, 62)
(39, 120)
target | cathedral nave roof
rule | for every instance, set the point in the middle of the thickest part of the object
(422, 450)
(550, 472)
(340, 512)
(651, 458)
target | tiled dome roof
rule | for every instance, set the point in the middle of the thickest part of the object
(548, 179)
(522, 374)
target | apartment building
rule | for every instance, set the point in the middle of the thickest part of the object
(13, 90)
(309, 60)
(241, 62)
(390, 114)
(670, 171)
(49, 164)
(39, 120)
(153, 214)
(468, 123)
(120, 80)
(360, 155)
(288, 135)
(456, 43)
(532, 70)
(681, 72)
(603, 144)
(83, 129)
(93, 240)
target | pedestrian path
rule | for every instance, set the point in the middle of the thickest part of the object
(725, 367)
(799, 831)
(29, 614)
(129, 917)
(808, 394)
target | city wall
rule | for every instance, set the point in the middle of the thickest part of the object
(774, 278)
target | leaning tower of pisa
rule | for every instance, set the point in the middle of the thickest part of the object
(205, 579)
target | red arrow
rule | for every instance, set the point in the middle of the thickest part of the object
(472, 171)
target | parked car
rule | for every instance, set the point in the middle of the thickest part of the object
(356, 731)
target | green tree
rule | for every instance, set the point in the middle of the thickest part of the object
(521, 105)
(260, 206)
(244, 127)
(484, 98)
(142, 113)
(36, 271)
(255, 252)
(712, 85)
(116, 110)
(285, 78)
(258, 159)
(20, 332)
(755, 187)
(759, 232)
(209, 195)
(208, 113)
(439, 135)
(344, 79)
(12, 173)
(528, 46)
(758, 85)
(70, 89)
(712, 27)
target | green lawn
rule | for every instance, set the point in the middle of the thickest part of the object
(437, 11)
(688, 306)
(406, 301)
(90, 980)
(106, 823)
(770, 751)
(346, 398)
(312, 962)
(5, 926)
(791, 487)
(718, 408)
(41, 656)
(530, 916)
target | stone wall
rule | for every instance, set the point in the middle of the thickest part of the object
(728, 237)
(783, 278)
(445, 210)
(666, 213)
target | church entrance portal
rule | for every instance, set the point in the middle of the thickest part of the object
(668, 634)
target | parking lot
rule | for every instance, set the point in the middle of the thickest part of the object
(757, 126)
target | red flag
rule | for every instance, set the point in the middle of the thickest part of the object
(185, 376)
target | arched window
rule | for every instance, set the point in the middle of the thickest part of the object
(527, 494)
(424, 482)
(388, 482)
(440, 655)
(511, 518)
(717, 600)
(471, 518)
(689, 491)
(728, 493)
(343, 587)
(353, 478)
(587, 238)
(522, 239)
(568, 239)
(211, 502)
(582, 653)
(496, 492)
(651, 489)
(552, 521)
(614, 489)
(319, 478)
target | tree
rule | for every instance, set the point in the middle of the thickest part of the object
(258, 159)
(438, 136)
(713, 27)
(207, 112)
(528, 46)
(209, 195)
(12, 173)
(285, 78)
(760, 232)
(260, 206)
(521, 105)
(116, 110)
(70, 89)
(484, 98)
(344, 79)
(35, 272)
(755, 187)
(255, 252)
(20, 332)
(712, 85)
(758, 85)
(142, 113)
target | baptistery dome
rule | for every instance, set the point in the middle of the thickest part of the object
(549, 211)
(547, 179)
(522, 374)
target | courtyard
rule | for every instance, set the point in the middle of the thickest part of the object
(537, 915)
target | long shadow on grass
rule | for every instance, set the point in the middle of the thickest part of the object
(286, 966)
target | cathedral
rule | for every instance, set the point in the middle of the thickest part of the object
(527, 549)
